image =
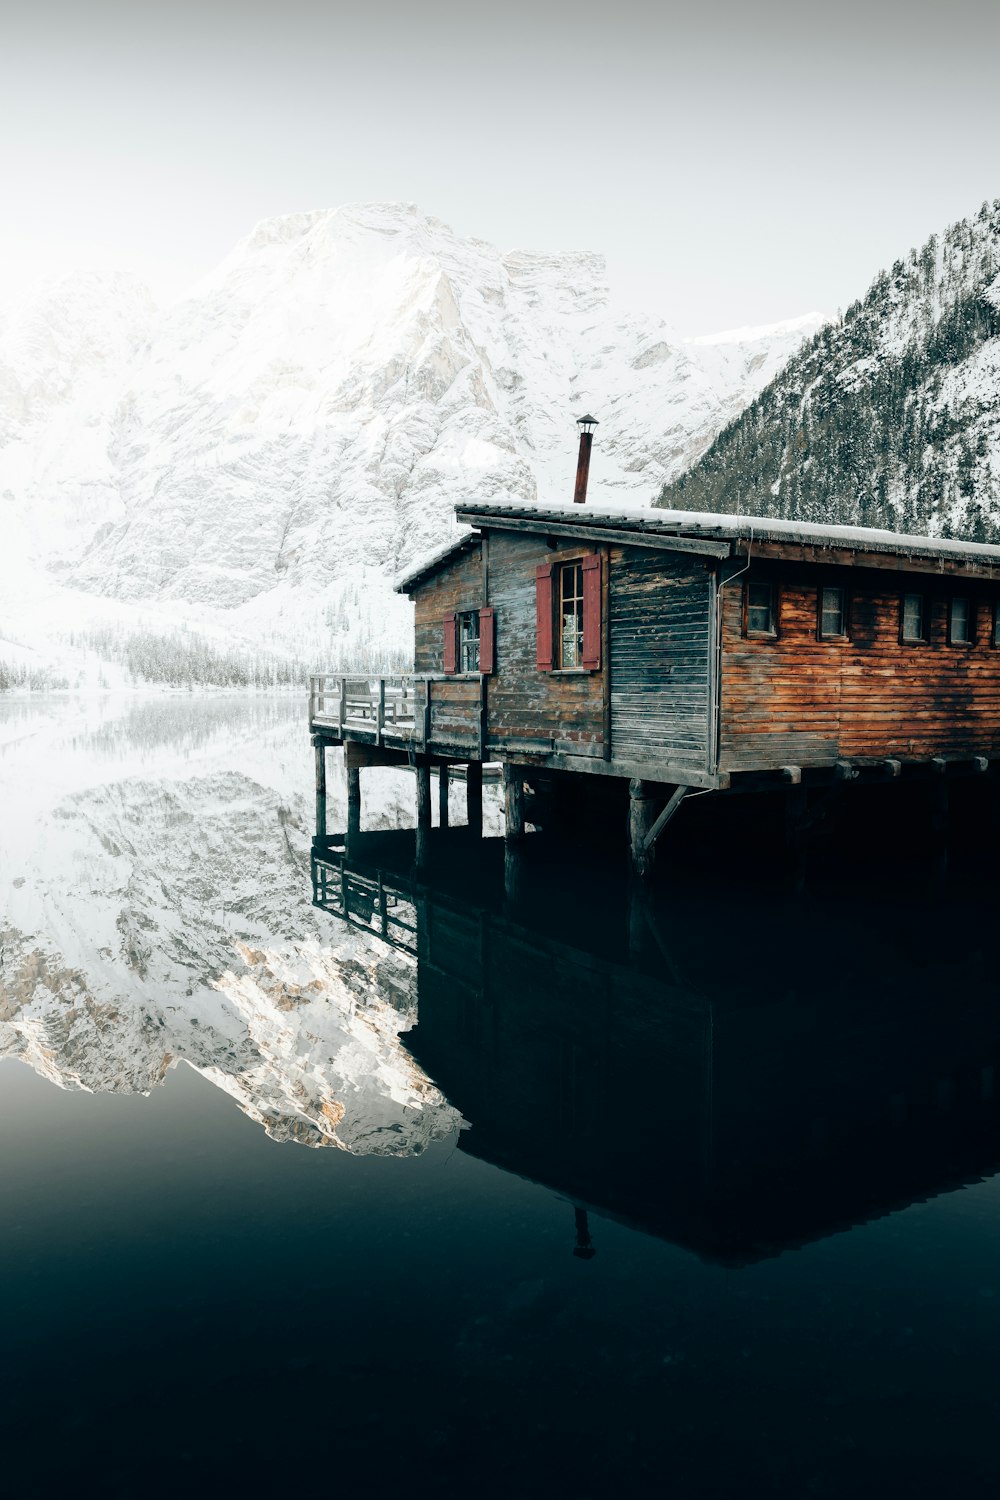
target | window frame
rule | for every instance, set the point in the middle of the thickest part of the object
(560, 569)
(995, 631)
(970, 620)
(463, 642)
(773, 632)
(844, 634)
(914, 640)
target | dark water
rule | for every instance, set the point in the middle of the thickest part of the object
(690, 1193)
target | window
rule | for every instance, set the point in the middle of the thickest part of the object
(761, 613)
(468, 641)
(914, 618)
(832, 614)
(996, 623)
(960, 622)
(571, 615)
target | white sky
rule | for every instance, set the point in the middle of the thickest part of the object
(735, 162)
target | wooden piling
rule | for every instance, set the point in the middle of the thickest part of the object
(513, 871)
(474, 796)
(423, 779)
(513, 802)
(321, 789)
(443, 796)
(642, 814)
(353, 801)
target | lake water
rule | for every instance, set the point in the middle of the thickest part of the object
(319, 1172)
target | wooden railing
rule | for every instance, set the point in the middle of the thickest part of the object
(366, 901)
(409, 708)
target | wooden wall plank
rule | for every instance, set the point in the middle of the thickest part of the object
(660, 630)
(800, 700)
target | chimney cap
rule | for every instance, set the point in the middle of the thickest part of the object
(587, 423)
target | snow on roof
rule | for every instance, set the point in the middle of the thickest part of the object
(694, 524)
(431, 560)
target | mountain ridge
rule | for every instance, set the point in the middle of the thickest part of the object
(888, 417)
(259, 459)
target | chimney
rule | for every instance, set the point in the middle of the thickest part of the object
(586, 426)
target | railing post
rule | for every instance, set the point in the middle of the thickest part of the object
(342, 706)
(380, 711)
(312, 700)
(427, 713)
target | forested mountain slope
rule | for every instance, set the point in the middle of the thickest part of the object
(889, 416)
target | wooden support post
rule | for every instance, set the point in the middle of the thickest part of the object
(669, 811)
(795, 818)
(513, 803)
(640, 934)
(342, 706)
(513, 871)
(641, 817)
(320, 789)
(423, 778)
(443, 796)
(474, 797)
(353, 801)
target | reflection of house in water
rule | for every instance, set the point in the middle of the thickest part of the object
(738, 1082)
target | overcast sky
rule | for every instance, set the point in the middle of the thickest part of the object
(735, 162)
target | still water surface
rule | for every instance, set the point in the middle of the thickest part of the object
(553, 1192)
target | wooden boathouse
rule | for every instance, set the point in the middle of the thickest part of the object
(678, 653)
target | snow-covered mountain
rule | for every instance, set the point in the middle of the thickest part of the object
(889, 417)
(261, 458)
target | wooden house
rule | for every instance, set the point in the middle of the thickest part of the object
(681, 652)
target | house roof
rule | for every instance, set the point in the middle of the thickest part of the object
(431, 561)
(715, 534)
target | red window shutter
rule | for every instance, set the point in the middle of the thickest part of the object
(543, 617)
(451, 643)
(486, 638)
(592, 612)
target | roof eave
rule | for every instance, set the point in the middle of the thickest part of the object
(578, 527)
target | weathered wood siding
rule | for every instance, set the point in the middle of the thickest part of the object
(455, 714)
(456, 586)
(561, 712)
(802, 701)
(660, 670)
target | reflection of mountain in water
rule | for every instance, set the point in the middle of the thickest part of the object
(734, 1072)
(156, 909)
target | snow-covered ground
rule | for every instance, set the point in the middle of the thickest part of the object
(155, 907)
(255, 463)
